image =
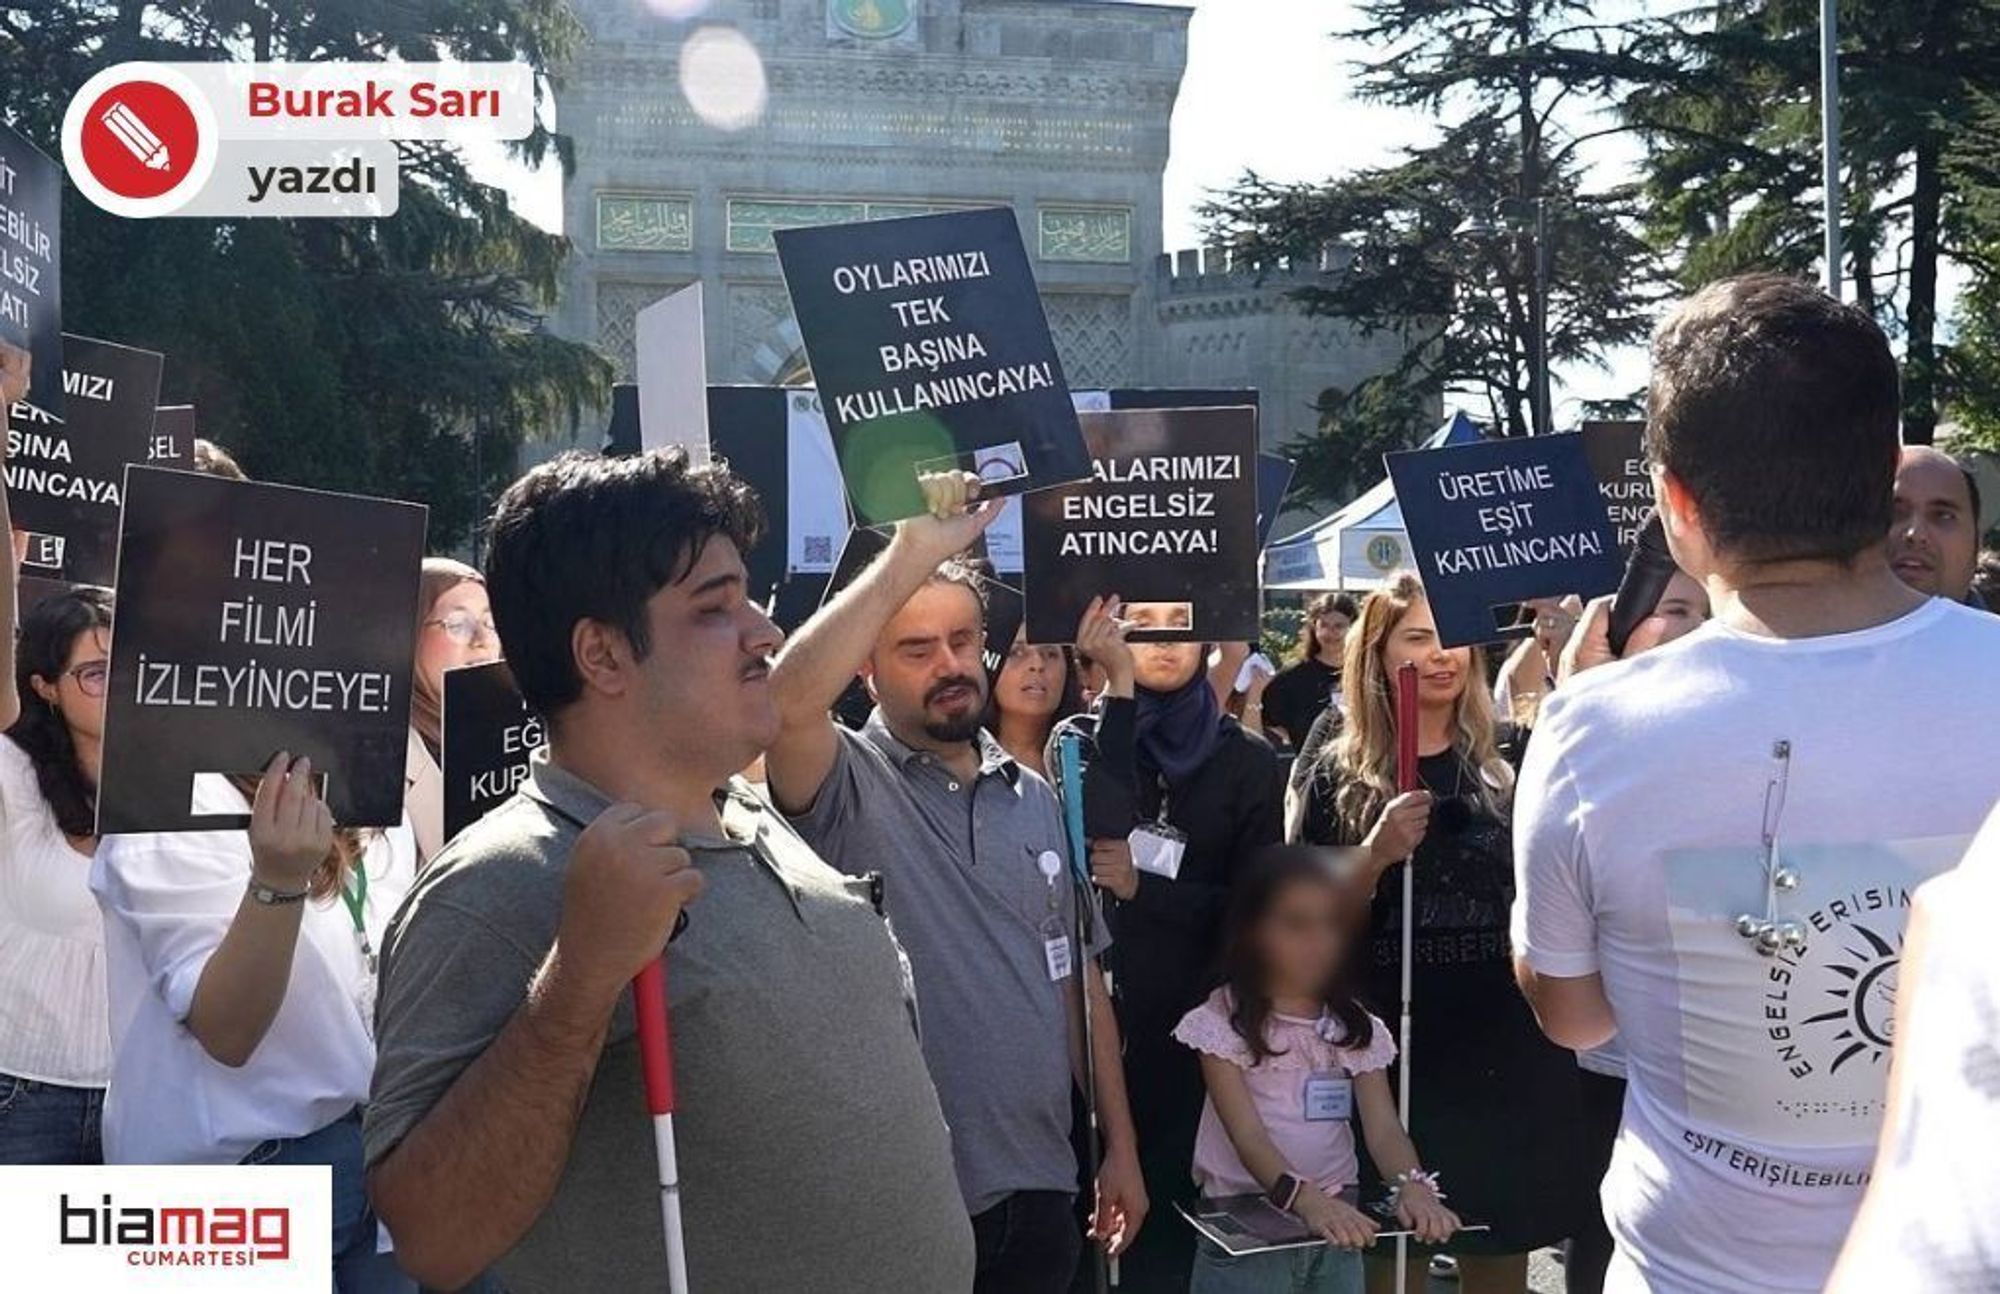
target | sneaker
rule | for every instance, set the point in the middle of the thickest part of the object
(1444, 1267)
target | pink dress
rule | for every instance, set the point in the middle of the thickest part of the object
(1303, 1092)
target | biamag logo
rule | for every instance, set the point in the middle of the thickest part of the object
(264, 1229)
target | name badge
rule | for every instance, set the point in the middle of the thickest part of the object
(1056, 950)
(1329, 1099)
(1158, 848)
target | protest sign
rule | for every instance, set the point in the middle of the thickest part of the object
(1274, 481)
(30, 591)
(31, 264)
(931, 351)
(64, 478)
(1618, 458)
(1168, 518)
(489, 736)
(621, 435)
(256, 618)
(1497, 522)
(172, 444)
(1003, 537)
(671, 357)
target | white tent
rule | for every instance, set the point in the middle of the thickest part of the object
(1363, 543)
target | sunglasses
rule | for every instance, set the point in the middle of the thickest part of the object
(464, 628)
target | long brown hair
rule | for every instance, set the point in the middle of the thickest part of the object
(441, 575)
(1361, 762)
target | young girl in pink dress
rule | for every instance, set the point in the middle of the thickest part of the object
(1290, 1061)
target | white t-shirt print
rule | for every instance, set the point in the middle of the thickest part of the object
(1756, 1083)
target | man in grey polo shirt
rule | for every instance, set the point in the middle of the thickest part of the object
(507, 1127)
(971, 851)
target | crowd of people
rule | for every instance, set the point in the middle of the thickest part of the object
(932, 1036)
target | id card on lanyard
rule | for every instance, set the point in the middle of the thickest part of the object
(1055, 936)
(1157, 846)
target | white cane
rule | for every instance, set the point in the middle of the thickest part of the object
(1407, 780)
(656, 1059)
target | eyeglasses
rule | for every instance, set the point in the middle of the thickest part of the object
(91, 676)
(465, 628)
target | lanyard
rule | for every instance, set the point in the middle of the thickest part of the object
(356, 899)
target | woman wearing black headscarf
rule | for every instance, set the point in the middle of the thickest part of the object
(1198, 796)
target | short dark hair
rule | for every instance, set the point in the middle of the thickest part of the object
(584, 537)
(1777, 407)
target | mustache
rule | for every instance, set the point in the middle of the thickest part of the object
(944, 685)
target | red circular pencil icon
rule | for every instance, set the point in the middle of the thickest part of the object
(139, 139)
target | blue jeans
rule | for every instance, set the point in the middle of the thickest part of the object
(47, 1123)
(1319, 1270)
(357, 1268)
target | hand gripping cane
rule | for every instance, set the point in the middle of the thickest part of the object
(1407, 780)
(656, 1059)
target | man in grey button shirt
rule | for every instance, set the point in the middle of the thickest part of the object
(507, 1127)
(971, 851)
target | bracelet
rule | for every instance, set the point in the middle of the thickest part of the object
(271, 897)
(1412, 1177)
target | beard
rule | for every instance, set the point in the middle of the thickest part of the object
(959, 727)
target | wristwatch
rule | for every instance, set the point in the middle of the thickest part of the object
(1284, 1192)
(274, 898)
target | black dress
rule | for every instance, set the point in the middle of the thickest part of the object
(1495, 1102)
(1165, 947)
(1298, 695)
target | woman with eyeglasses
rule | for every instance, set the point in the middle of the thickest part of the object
(1493, 1102)
(55, 1040)
(454, 629)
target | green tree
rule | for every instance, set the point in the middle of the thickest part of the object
(399, 357)
(1438, 248)
(1731, 121)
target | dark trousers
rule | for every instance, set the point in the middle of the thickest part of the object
(1601, 1113)
(1028, 1243)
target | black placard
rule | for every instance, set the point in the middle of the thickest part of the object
(1169, 517)
(1618, 457)
(1501, 521)
(930, 350)
(747, 429)
(1274, 481)
(172, 443)
(31, 264)
(489, 737)
(64, 477)
(255, 618)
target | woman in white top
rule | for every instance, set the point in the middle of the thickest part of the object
(454, 629)
(242, 987)
(55, 1046)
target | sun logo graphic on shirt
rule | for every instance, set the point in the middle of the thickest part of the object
(1866, 993)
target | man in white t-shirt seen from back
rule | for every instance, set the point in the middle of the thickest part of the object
(1717, 841)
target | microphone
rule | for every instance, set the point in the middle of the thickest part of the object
(1647, 572)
